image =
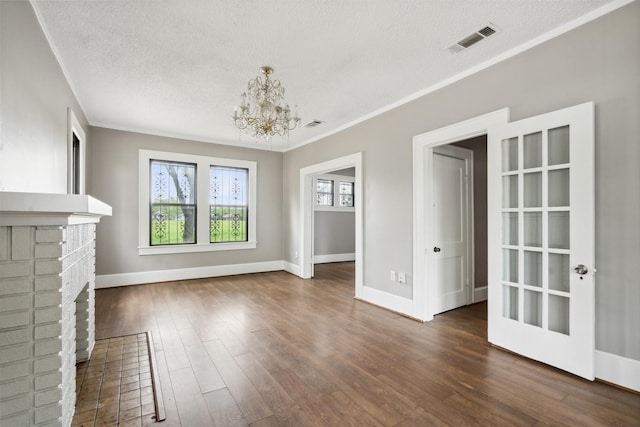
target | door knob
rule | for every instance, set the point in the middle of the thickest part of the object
(436, 249)
(581, 269)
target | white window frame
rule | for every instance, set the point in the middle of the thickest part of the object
(203, 233)
(336, 193)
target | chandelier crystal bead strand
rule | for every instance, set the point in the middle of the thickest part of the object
(261, 112)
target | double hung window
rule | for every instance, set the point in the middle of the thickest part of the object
(334, 193)
(194, 203)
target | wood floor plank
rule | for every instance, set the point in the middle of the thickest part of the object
(192, 408)
(207, 375)
(224, 410)
(293, 352)
(241, 388)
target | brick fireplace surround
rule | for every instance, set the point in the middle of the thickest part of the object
(47, 288)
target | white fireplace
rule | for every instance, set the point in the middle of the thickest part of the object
(47, 288)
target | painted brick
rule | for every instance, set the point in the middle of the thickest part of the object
(45, 381)
(52, 346)
(17, 370)
(50, 235)
(47, 364)
(48, 413)
(19, 302)
(48, 397)
(13, 320)
(50, 314)
(17, 336)
(14, 286)
(4, 243)
(15, 353)
(51, 250)
(14, 269)
(47, 299)
(47, 331)
(50, 283)
(21, 243)
(18, 420)
(13, 406)
(15, 388)
(48, 267)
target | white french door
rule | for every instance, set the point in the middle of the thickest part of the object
(542, 238)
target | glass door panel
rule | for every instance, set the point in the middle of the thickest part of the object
(533, 268)
(559, 187)
(559, 314)
(532, 150)
(559, 272)
(533, 190)
(533, 308)
(558, 145)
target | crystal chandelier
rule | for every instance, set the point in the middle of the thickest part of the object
(263, 114)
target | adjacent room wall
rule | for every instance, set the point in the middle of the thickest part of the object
(114, 174)
(334, 233)
(34, 96)
(598, 62)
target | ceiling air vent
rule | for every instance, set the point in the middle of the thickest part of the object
(313, 124)
(473, 38)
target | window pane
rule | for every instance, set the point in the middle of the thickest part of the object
(172, 204)
(324, 191)
(346, 194)
(228, 204)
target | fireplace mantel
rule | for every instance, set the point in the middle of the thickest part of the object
(47, 297)
(50, 209)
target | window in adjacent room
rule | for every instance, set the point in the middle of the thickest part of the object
(334, 193)
(324, 192)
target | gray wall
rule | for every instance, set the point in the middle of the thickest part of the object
(34, 96)
(334, 233)
(479, 147)
(114, 176)
(598, 62)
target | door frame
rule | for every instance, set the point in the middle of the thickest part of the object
(306, 213)
(74, 127)
(466, 155)
(424, 284)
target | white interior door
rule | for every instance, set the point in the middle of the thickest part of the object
(451, 172)
(542, 238)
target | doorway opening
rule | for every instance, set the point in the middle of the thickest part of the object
(306, 248)
(425, 289)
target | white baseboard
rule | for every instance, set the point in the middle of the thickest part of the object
(292, 268)
(386, 300)
(480, 294)
(617, 370)
(322, 259)
(136, 278)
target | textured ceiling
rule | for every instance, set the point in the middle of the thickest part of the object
(177, 67)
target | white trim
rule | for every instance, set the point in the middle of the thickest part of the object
(74, 127)
(306, 214)
(422, 292)
(292, 268)
(480, 293)
(202, 199)
(136, 278)
(386, 300)
(617, 370)
(323, 259)
(565, 28)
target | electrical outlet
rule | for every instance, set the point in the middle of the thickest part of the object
(402, 278)
(393, 276)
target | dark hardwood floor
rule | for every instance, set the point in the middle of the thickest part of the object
(273, 350)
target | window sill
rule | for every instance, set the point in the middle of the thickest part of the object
(334, 209)
(183, 249)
